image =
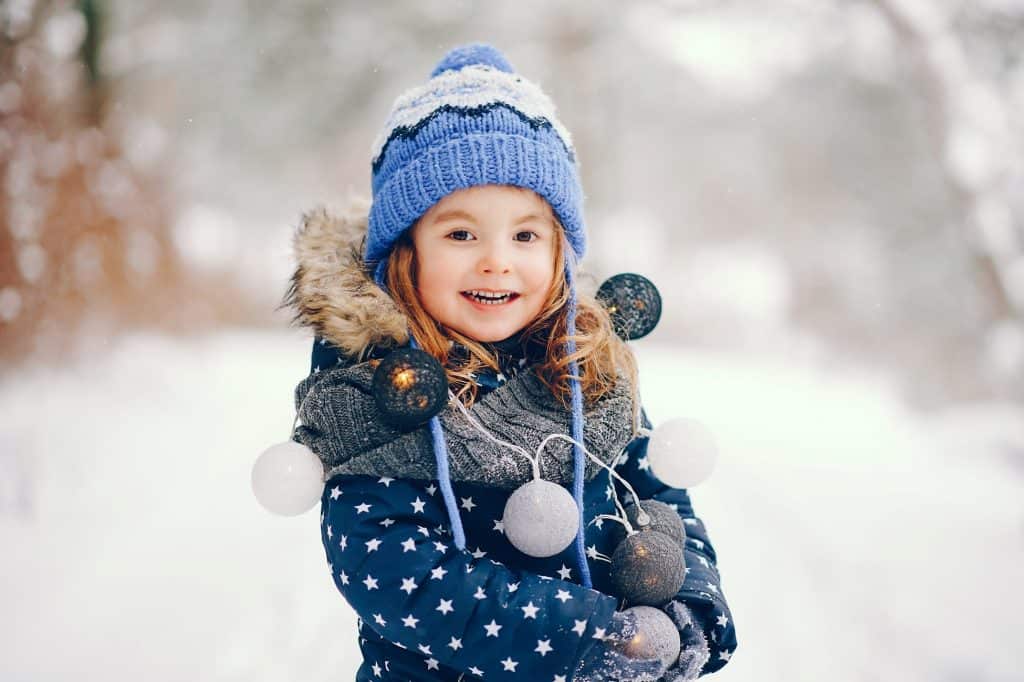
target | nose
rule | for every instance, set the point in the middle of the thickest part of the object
(495, 259)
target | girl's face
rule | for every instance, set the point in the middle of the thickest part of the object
(485, 260)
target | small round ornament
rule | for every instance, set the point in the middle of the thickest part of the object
(656, 636)
(541, 518)
(647, 569)
(410, 387)
(682, 452)
(287, 478)
(661, 518)
(633, 303)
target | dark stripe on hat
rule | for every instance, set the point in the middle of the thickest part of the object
(409, 132)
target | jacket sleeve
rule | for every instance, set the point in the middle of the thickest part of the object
(702, 589)
(396, 564)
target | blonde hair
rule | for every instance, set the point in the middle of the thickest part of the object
(601, 355)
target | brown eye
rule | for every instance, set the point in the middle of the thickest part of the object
(527, 232)
(457, 232)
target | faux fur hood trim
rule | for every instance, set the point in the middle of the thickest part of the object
(333, 292)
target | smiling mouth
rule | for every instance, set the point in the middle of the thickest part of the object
(490, 297)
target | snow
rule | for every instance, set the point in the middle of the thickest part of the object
(858, 540)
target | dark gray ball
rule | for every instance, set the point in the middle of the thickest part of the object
(647, 569)
(410, 387)
(664, 519)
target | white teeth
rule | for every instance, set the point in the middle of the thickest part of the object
(488, 294)
(488, 298)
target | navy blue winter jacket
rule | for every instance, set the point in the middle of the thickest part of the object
(428, 611)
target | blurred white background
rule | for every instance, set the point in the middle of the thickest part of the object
(828, 195)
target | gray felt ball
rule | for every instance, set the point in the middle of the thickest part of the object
(663, 519)
(633, 304)
(647, 568)
(656, 637)
(541, 518)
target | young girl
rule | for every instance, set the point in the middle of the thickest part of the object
(469, 252)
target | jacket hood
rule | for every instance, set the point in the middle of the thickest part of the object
(332, 289)
(333, 292)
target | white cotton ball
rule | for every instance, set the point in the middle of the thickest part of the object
(682, 452)
(541, 518)
(656, 636)
(287, 478)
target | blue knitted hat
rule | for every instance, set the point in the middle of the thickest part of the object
(476, 122)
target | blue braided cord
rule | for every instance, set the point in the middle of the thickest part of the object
(440, 448)
(441, 456)
(443, 477)
(579, 461)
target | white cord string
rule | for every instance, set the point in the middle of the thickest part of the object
(296, 420)
(610, 517)
(302, 403)
(534, 461)
(615, 497)
(642, 517)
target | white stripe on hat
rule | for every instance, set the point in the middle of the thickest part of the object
(471, 86)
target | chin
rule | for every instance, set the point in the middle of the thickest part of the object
(488, 336)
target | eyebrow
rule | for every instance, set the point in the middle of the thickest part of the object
(457, 214)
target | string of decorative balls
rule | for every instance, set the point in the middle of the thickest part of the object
(541, 518)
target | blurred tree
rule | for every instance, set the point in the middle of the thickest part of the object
(85, 249)
(982, 147)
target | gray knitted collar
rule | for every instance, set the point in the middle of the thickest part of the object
(340, 423)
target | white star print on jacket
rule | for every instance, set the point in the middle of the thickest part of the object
(503, 620)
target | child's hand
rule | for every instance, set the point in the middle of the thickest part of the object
(693, 650)
(608, 659)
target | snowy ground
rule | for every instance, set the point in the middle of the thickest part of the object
(857, 540)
